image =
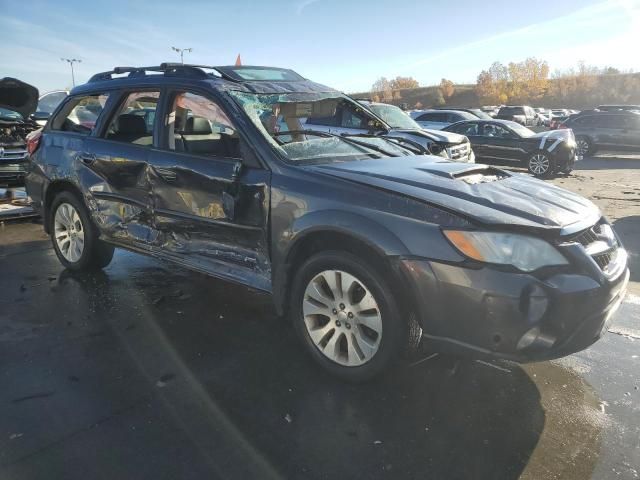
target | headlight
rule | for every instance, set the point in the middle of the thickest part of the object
(523, 252)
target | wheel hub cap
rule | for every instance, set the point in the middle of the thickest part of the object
(68, 232)
(539, 164)
(342, 318)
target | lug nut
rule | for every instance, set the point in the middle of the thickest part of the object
(342, 306)
(335, 311)
(348, 325)
(337, 323)
(350, 315)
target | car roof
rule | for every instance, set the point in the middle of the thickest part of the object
(223, 78)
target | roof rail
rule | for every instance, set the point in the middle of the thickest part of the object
(169, 69)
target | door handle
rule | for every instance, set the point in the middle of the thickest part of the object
(167, 174)
(87, 158)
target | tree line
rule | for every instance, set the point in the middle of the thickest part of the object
(526, 82)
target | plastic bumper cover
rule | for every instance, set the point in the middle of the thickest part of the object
(492, 313)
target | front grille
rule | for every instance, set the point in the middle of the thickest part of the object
(600, 243)
(12, 154)
(457, 152)
(603, 259)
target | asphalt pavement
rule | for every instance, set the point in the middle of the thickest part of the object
(147, 370)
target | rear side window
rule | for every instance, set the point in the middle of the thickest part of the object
(466, 129)
(135, 119)
(80, 114)
(432, 117)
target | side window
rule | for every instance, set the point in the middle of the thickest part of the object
(454, 117)
(431, 117)
(133, 123)
(353, 119)
(617, 121)
(331, 121)
(199, 126)
(583, 121)
(467, 129)
(496, 131)
(80, 114)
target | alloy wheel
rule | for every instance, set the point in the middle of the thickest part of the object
(69, 232)
(539, 164)
(342, 318)
(582, 146)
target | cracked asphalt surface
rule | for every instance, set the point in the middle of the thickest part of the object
(147, 370)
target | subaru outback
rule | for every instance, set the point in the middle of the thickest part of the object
(368, 245)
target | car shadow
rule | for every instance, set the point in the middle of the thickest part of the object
(628, 228)
(439, 418)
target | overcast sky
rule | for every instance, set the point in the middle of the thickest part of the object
(344, 44)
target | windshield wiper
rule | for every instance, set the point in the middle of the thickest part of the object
(344, 138)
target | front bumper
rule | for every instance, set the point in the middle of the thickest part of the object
(485, 312)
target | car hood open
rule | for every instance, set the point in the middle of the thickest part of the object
(480, 193)
(18, 96)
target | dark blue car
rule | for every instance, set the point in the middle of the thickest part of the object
(368, 245)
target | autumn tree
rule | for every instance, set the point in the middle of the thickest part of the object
(404, 82)
(518, 82)
(383, 89)
(447, 88)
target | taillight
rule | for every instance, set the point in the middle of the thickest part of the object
(33, 141)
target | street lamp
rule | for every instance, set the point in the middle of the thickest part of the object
(71, 61)
(181, 52)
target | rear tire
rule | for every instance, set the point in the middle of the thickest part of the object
(585, 146)
(347, 317)
(75, 237)
(541, 165)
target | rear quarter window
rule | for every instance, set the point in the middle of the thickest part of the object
(80, 114)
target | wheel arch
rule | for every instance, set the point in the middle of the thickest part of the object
(357, 235)
(53, 189)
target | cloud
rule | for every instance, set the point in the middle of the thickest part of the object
(304, 4)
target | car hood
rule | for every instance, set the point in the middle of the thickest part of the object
(18, 96)
(479, 193)
(435, 135)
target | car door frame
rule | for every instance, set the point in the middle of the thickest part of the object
(498, 149)
(234, 264)
(126, 220)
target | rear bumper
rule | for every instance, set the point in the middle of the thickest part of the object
(491, 313)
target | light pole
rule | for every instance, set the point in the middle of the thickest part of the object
(71, 61)
(181, 52)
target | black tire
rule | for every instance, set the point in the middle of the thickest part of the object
(96, 254)
(585, 146)
(398, 331)
(535, 163)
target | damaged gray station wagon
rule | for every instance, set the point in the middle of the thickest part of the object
(366, 243)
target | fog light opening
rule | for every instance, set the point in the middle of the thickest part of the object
(534, 337)
(528, 338)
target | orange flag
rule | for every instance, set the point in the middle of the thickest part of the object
(238, 61)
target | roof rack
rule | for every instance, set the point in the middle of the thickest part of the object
(190, 70)
(169, 69)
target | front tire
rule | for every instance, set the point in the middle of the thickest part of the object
(347, 317)
(74, 236)
(541, 165)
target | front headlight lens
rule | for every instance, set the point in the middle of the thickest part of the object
(523, 252)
